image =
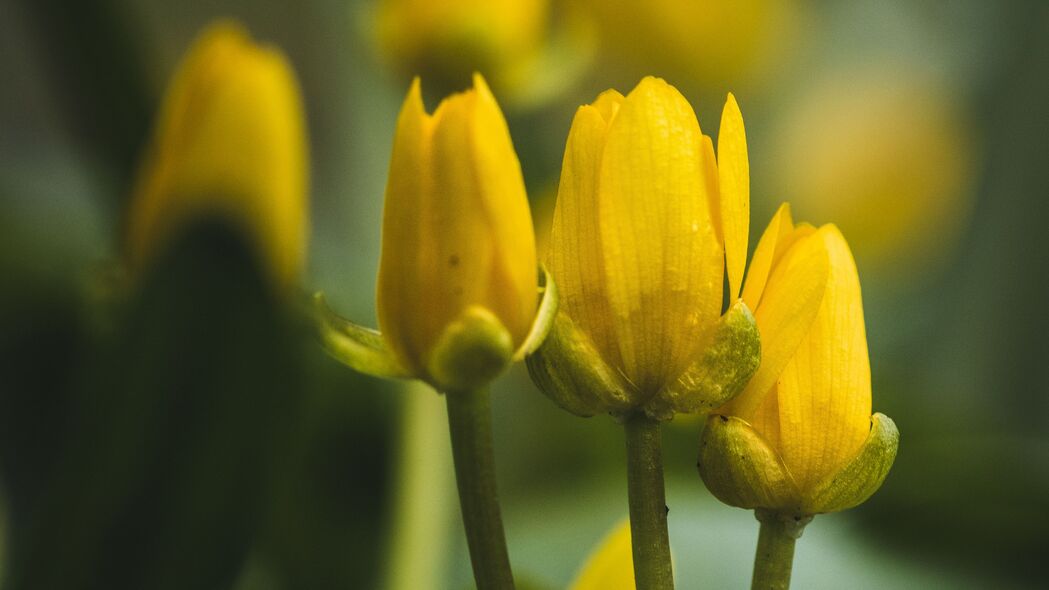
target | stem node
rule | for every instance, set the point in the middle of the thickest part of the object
(774, 558)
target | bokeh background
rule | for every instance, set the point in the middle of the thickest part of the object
(196, 436)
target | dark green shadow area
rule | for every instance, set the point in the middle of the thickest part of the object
(150, 451)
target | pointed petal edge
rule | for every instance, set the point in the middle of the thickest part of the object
(359, 348)
(544, 317)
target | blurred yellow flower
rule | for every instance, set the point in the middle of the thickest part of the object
(611, 565)
(709, 43)
(643, 219)
(451, 39)
(800, 438)
(457, 276)
(229, 141)
(885, 153)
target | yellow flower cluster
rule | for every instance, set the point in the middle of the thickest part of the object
(650, 224)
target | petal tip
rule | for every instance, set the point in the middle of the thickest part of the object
(731, 102)
(480, 86)
(413, 101)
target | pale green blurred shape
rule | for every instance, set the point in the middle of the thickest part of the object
(713, 544)
(425, 488)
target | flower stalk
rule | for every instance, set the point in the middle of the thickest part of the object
(774, 558)
(470, 425)
(648, 507)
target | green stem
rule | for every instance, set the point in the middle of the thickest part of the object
(424, 493)
(648, 507)
(470, 424)
(774, 558)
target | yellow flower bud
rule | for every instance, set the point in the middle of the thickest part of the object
(710, 43)
(229, 141)
(886, 153)
(450, 39)
(800, 438)
(457, 278)
(643, 219)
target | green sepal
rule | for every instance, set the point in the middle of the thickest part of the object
(862, 476)
(740, 468)
(359, 348)
(472, 351)
(720, 372)
(544, 316)
(569, 370)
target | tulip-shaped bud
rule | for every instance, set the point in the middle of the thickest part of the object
(449, 39)
(643, 219)
(229, 141)
(800, 439)
(457, 296)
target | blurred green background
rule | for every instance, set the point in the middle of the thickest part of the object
(195, 436)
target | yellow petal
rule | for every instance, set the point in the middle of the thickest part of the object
(765, 419)
(825, 391)
(662, 260)
(229, 140)
(710, 177)
(608, 103)
(788, 309)
(761, 264)
(611, 565)
(734, 180)
(457, 231)
(512, 288)
(404, 228)
(575, 257)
